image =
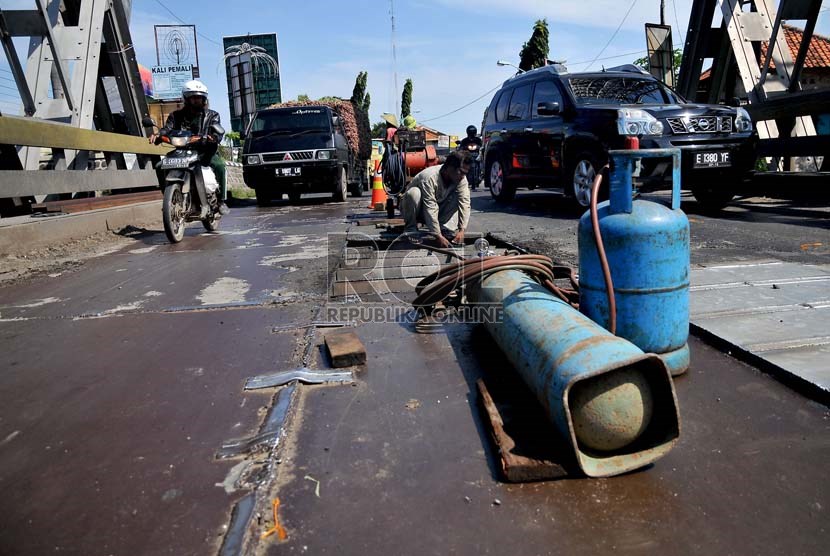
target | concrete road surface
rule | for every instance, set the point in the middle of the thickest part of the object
(121, 381)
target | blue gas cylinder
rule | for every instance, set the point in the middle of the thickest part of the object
(647, 247)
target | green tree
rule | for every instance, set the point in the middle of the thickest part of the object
(379, 130)
(534, 53)
(330, 98)
(406, 99)
(303, 98)
(359, 91)
(678, 57)
(367, 100)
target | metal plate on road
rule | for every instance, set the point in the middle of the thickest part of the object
(713, 159)
(290, 171)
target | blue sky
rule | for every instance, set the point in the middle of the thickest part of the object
(448, 47)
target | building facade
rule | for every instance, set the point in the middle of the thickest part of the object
(267, 88)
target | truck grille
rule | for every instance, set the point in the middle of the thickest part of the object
(701, 124)
(293, 156)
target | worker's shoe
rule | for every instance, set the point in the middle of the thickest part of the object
(223, 209)
(412, 235)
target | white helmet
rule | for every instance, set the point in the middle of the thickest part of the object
(194, 87)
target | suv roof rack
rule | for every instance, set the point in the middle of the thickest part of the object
(629, 68)
(556, 68)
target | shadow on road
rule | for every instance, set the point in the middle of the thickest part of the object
(528, 203)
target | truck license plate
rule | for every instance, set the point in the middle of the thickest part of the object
(713, 159)
(290, 171)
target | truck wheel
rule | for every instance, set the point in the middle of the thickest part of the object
(500, 188)
(357, 188)
(712, 198)
(342, 186)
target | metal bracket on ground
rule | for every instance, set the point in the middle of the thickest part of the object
(306, 376)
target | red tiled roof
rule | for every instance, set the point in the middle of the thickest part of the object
(818, 54)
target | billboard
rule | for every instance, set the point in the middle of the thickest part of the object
(169, 80)
(243, 103)
(265, 73)
(176, 46)
(660, 56)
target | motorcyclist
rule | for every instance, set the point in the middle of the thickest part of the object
(471, 139)
(472, 144)
(197, 118)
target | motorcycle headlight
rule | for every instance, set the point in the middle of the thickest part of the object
(179, 141)
(743, 122)
(252, 159)
(323, 155)
(631, 121)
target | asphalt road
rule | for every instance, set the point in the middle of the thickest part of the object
(122, 378)
(750, 228)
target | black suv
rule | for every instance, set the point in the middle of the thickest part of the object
(551, 128)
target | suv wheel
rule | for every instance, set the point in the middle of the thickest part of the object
(712, 198)
(500, 188)
(581, 176)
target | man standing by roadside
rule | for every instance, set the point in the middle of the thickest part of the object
(439, 196)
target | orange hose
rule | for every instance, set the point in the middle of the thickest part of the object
(606, 271)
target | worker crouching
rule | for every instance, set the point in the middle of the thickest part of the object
(439, 197)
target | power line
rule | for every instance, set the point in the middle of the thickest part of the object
(462, 107)
(631, 7)
(677, 22)
(183, 22)
(608, 58)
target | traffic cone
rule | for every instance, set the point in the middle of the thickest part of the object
(378, 192)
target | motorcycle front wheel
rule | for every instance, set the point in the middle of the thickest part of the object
(173, 212)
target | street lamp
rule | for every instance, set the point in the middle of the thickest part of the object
(503, 63)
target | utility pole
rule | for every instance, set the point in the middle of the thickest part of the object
(662, 12)
(394, 58)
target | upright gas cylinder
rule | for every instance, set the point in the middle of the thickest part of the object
(647, 247)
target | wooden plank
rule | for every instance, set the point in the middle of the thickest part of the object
(20, 183)
(514, 468)
(398, 273)
(109, 201)
(30, 132)
(341, 289)
(345, 349)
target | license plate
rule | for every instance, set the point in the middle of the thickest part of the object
(713, 159)
(168, 163)
(290, 171)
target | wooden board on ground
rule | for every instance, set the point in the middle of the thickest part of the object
(514, 466)
(345, 349)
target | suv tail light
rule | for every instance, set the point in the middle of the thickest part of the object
(635, 122)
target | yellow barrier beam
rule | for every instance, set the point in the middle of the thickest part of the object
(30, 132)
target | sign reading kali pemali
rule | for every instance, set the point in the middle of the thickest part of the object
(168, 81)
(176, 46)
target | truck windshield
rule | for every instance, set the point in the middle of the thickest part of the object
(292, 120)
(619, 90)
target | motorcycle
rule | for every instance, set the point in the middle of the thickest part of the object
(474, 176)
(189, 188)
